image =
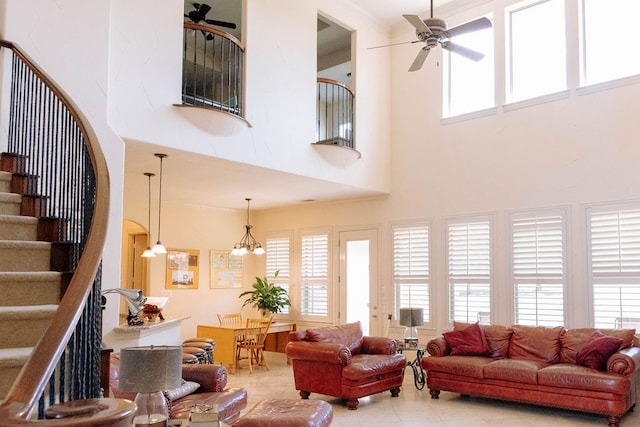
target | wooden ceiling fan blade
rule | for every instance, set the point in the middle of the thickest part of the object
(419, 61)
(475, 25)
(418, 23)
(463, 51)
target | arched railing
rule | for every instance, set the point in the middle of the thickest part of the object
(212, 69)
(334, 113)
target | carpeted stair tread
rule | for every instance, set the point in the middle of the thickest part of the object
(14, 357)
(21, 228)
(21, 255)
(27, 312)
(10, 203)
(30, 288)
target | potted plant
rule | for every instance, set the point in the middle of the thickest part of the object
(266, 297)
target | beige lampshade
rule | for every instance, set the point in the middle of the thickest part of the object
(411, 316)
(150, 369)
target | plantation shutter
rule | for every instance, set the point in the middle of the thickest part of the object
(538, 269)
(411, 268)
(277, 259)
(615, 267)
(315, 275)
(469, 271)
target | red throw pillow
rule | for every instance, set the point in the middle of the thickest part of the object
(597, 351)
(469, 341)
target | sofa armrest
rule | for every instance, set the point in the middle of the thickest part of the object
(210, 377)
(625, 362)
(438, 347)
(378, 345)
(318, 352)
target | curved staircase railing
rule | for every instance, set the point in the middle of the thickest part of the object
(334, 113)
(62, 174)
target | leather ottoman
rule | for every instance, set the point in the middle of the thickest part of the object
(287, 413)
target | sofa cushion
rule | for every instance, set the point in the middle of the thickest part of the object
(565, 375)
(349, 335)
(466, 366)
(515, 370)
(595, 353)
(469, 341)
(498, 338)
(628, 336)
(536, 343)
(572, 341)
(367, 365)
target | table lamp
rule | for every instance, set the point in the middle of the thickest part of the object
(148, 371)
(410, 318)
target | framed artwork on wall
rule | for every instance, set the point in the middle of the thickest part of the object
(226, 270)
(182, 268)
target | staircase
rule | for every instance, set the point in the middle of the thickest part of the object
(29, 293)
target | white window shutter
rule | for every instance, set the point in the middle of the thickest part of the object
(314, 270)
(411, 268)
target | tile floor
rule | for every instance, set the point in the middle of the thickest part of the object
(413, 407)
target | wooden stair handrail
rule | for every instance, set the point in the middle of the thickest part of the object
(32, 380)
(336, 83)
(209, 29)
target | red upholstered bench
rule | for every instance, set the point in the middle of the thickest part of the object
(287, 412)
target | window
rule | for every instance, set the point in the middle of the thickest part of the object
(536, 64)
(277, 259)
(314, 288)
(469, 270)
(614, 262)
(469, 84)
(606, 58)
(411, 268)
(537, 251)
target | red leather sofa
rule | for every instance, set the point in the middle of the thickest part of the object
(339, 361)
(203, 383)
(578, 369)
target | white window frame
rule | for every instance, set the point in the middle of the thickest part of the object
(320, 277)
(412, 278)
(509, 49)
(614, 272)
(473, 281)
(449, 110)
(538, 263)
(278, 258)
(620, 39)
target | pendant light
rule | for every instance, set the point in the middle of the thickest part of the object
(148, 253)
(248, 242)
(159, 248)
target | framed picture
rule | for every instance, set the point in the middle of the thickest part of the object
(226, 270)
(182, 268)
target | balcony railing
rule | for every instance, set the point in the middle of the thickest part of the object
(212, 69)
(335, 115)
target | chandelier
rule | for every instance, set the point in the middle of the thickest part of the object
(248, 242)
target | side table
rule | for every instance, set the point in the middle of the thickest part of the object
(419, 378)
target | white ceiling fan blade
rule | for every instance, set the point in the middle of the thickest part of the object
(476, 25)
(464, 51)
(422, 56)
(418, 23)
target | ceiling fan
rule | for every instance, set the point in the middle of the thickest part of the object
(433, 31)
(200, 14)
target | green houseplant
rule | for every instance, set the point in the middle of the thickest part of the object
(266, 297)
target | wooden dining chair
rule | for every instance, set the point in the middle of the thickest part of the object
(253, 343)
(231, 319)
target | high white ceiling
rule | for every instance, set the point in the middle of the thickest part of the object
(193, 178)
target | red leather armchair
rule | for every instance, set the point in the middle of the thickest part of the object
(339, 361)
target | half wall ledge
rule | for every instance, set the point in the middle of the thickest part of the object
(337, 155)
(212, 121)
